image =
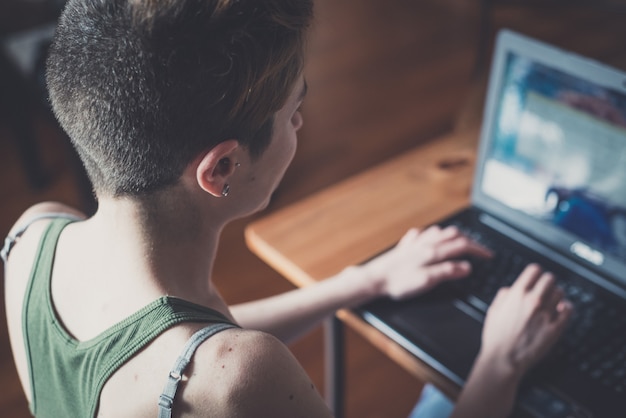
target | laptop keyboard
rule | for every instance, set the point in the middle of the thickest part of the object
(594, 342)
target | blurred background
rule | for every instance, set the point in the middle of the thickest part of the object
(383, 77)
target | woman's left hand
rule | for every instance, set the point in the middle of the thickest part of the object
(423, 259)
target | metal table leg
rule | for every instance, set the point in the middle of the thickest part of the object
(334, 363)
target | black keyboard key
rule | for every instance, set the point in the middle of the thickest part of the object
(594, 342)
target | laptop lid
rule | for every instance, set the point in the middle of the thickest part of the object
(552, 156)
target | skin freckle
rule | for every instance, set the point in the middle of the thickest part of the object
(291, 397)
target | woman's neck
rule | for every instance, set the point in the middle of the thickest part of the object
(167, 242)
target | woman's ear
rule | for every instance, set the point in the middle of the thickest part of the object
(215, 166)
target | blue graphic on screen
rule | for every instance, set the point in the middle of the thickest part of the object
(559, 153)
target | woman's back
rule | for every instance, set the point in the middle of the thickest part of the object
(86, 311)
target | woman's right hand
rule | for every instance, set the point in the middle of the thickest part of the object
(524, 321)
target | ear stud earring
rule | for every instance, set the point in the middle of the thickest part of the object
(226, 162)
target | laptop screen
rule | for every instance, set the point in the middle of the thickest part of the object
(556, 154)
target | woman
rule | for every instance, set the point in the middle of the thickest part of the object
(185, 114)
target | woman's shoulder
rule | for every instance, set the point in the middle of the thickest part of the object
(246, 372)
(32, 222)
(22, 241)
(46, 211)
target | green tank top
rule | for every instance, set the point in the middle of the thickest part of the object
(66, 375)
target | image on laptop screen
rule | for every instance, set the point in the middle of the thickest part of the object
(559, 154)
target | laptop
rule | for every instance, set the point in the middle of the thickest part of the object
(549, 187)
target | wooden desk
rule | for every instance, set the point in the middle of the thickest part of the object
(363, 215)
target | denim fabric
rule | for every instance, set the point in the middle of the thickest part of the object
(432, 404)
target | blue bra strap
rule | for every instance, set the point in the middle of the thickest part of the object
(166, 399)
(11, 239)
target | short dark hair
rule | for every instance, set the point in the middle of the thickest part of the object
(143, 86)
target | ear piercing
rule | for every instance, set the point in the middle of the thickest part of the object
(226, 162)
(226, 188)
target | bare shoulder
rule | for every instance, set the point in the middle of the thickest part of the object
(39, 212)
(23, 238)
(26, 231)
(250, 373)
